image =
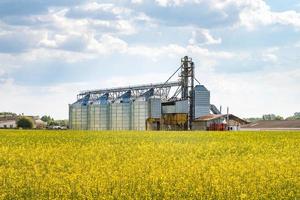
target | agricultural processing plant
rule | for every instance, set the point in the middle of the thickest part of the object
(149, 100)
(149, 165)
(152, 106)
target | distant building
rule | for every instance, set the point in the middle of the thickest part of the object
(40, 124)
(6, 115)
(8, 123)
(8, 120)
(218, 122)
(273, 125)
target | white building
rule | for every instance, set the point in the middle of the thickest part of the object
(8, 123)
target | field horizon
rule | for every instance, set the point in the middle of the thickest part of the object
(149, 165)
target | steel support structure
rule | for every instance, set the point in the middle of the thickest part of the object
(161, 89)
(187, 85)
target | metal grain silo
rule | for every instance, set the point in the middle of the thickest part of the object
(98, 114)
(78, 114)
(139, 114)
(120, 116)
(83, 113)
(121, 113)
(201, 100)
(72, 117)
(78, 117)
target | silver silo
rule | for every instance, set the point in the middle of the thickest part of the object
(202, 101)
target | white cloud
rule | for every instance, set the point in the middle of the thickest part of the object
(84, 24)
(174, 51)
(17, 41)
(246, 13)
(171, 50)
(102, 7)
(136, 1)
(258, 12)
(57, 30)
(2, 72)
(297, 44)
(86, 45)
(107, 44)
(165, 3)
(72, 48)
(269, 55)
(121, 81)
(202, 52)
(203, 37)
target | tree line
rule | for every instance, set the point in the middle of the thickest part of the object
(269, 117)
(52, 122)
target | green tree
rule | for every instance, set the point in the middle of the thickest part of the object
(62, 122)
(53, 123)
(295, 117)
(253, 119)
(47, 119)
(270, 117)
(25, 123)
(278, 117)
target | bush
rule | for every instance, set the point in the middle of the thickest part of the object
(25, 123)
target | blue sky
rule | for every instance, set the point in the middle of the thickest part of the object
(246, 51)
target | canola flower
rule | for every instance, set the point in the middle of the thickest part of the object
(149, 165)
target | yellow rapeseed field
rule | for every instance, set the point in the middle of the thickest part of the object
(149, 165)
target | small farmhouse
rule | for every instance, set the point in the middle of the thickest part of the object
(8, 123)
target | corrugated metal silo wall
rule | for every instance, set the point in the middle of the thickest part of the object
(114, 116)
(98, 117)
(139, 115)
(71, 120)
(182, 106)
(154, 108)
(121, 116)
(78, 117)
(202, 101)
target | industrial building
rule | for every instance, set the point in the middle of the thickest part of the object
(164, 106)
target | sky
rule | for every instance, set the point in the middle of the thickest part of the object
(246, 52)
